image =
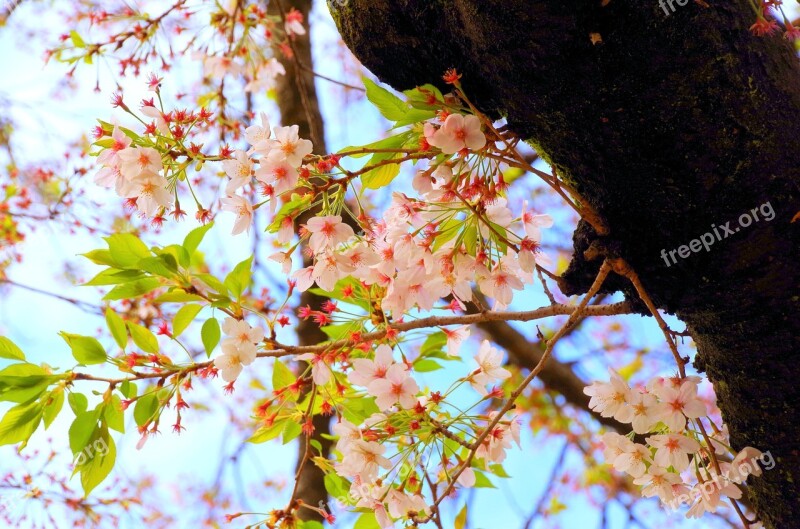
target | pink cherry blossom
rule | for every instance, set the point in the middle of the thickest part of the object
(489, 371)
(459, 132)
(243, 210)
(288, 146)
(327, 232)
(396, 387)
(365, 371)
(678, 404)
(280, 174)
(231, 362)
(673, 450)
(239, 169)
(136, 161)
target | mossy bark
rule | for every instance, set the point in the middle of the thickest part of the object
(669, 124)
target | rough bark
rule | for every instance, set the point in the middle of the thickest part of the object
(299, 105)
(668, 125)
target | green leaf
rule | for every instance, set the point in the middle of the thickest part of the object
(210, 334)
(117, 328)
(336, 485)
(461, 518)
(78, 402)
(126, 249)
(499, 471)
(238, 279)
(81, 430)
(213, 282)
(381, 176)
(162, 265)
(392, 142)
(145, 408)
(53, 406)
(264, 434)
(482, 481)
(434, 342)
(99, 463)
(177, 296)
(133, 289)
(113, 414)
(112, 276)
(388, 104)
(415, 115)
(128, 389)
(143, 338)
(425, 96)
(291, 431)
(183, 318)
(9, 349)
(195, 237)
(76, 39)
(85, 349)
(425, 365)
(367, 521)
(19, 423)
(101, 257)
(310, 524)
(282, 376)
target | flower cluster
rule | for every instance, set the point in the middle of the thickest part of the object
(279, 158)
(239, 348)
(135, 173)
(679, 449)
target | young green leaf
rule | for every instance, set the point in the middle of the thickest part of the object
(19, 423)
(133, 289)
(282, 376)
(85, 349)
(126, 249)
(52, 406)
(389, 105)
(117, 328)
(146, 407)
(184, 317)
(238, 279)
(195, 237)
(9, 349)
(143, 338)
(99, 463)
(210, 334)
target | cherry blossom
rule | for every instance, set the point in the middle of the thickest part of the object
(678, 404)
(231, 362)
(243, 210)
(396, 387)
(366, 371)
(320, 370)
(288, 146)
(239, 169)
(459, 132)
(150, 192)
(136, 161)
(532, 222)
(673, 450)
(363, 459)
(489, 371)
(327, 232)
(280, 174)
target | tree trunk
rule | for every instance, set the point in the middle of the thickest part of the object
(299, 105)
(666, 122)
